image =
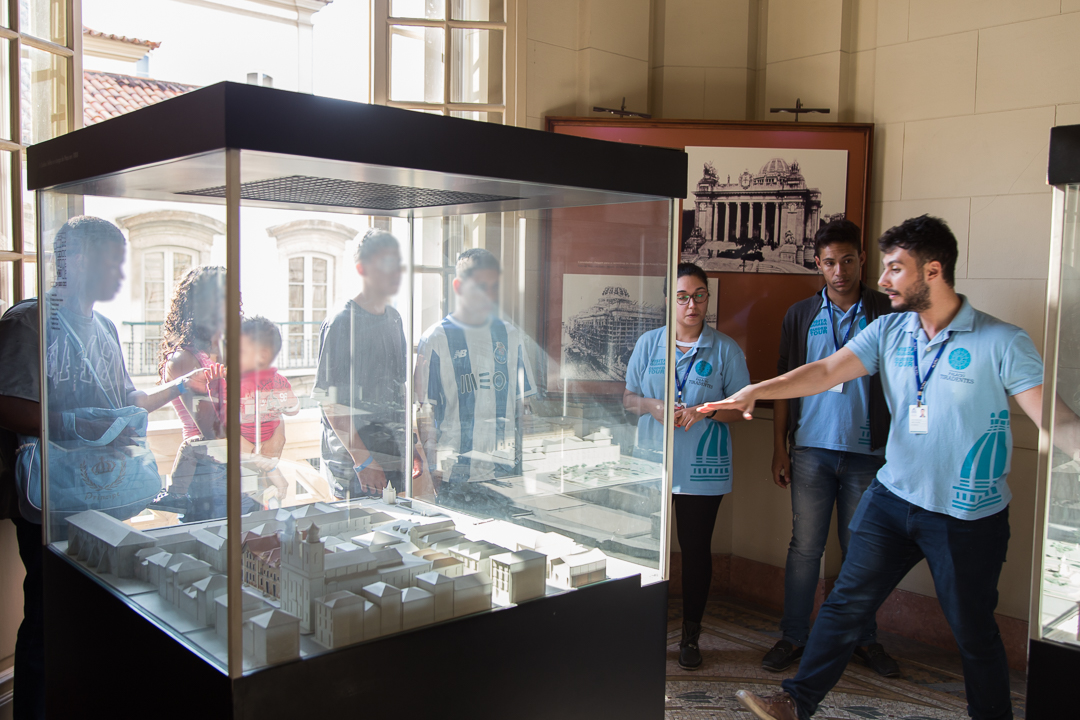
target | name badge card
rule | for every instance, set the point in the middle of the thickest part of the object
(918, 419)
(838, 388)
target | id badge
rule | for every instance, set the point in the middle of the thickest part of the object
(918, 419)
(838, 388)
(680, 406)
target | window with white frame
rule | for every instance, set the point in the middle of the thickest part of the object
(162, 268)
(310, 278)
(448, 57)
(39, 57)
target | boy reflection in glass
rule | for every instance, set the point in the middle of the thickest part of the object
(360, 380)
(472, 377)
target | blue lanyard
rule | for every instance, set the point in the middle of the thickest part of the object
(680, 385)
(832, 330)
(920, 385)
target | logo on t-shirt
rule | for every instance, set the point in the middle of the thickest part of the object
(959, 358)
(904, 357)
(703, 368)
(500, 353)
(862, 323)
(818, 327)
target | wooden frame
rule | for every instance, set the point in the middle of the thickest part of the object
(752, 306)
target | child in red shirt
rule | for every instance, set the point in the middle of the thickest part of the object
(265, 395)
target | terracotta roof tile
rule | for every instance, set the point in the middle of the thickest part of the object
(107, 95)
(148, 44)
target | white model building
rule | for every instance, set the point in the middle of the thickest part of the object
(476, 556)
(441, 589)
(339, 619)
(577, 569)
(388, 598)
(441, 562)
(251, 605)
(518, 576)
(417, 608)
(552, 454)
(105, 544)
(207, 591)
(472, 594)
(272, 637)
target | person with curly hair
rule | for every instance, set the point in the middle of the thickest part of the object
(192, 337)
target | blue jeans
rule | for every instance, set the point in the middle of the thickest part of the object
(888, 537)
(819, 479)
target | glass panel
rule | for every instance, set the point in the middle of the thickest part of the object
(7, 293)
(477, 10)
(416, 64)
(43, 79)
(7, 241)
(476, 73)
(5, 89)
(519, 381)
(106, 510)
(29, 214)
(1061, 563)
(46, 19)
(429, 9)
(494, 117)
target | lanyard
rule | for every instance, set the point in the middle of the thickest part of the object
(680, 385)
(920, 385)
(832, 330)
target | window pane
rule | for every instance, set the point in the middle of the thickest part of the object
(495, 117)
(181, 264)
(476, 73)
(6, 241)
(430, 9)
(29, 208)
(429, 242)
(318, 270)
(7, 289)
(46, 19)
(296, 270)
(43, 89)
(483, 10)
(296, 298)
(416, 64)
(318, 297)
(5, 90)
(154, 266)
(427, 302)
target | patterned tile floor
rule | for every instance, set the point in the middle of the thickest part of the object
(735, 637)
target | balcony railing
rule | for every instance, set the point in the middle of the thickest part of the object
(299, 346)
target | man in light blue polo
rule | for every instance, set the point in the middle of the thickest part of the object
(948, 371)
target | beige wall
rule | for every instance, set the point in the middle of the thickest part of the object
(11, 604)
(963, 94)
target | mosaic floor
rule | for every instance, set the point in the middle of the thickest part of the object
(734, 638)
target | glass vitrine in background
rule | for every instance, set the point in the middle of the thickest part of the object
(419, 421)
(1054, 652)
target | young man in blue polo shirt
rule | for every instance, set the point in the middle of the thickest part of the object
(948, 371)
(837, 438)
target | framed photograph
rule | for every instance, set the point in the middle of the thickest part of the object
(757, 192)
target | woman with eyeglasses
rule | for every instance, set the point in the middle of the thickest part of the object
(709, 366)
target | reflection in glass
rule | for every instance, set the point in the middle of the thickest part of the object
(477, 10)
(43, 79)
(46, 19)
(1061, 580)
(476, 72)
(416, 64)
(429, 9)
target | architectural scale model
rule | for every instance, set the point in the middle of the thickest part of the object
(386, 575)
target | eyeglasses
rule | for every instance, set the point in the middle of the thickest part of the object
(699, 298)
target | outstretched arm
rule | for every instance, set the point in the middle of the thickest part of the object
(1066, 423)
(816, 377)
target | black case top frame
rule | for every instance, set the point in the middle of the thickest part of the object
(1064, 167)
(247, 117)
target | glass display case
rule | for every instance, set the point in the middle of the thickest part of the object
(318, 374)
(1054, 653)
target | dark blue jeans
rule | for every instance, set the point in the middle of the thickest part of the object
(820, 479)
(888, 537)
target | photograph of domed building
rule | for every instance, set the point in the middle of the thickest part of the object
(758, 209)
(603, 316)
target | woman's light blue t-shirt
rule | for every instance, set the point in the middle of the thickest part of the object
(717, 369)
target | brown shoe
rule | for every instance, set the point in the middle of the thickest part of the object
(775, 707)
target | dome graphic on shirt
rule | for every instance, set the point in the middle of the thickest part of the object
(712, 461)
(984, 466)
